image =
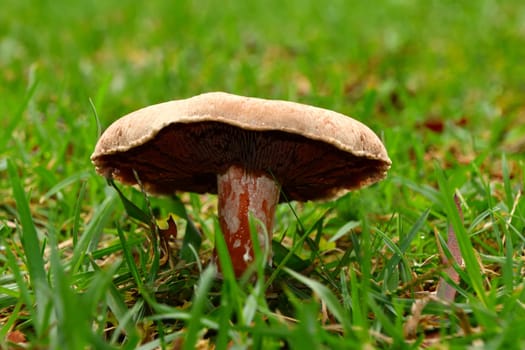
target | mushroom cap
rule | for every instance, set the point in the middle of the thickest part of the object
(182, 145)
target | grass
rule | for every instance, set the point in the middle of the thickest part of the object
(440, 81)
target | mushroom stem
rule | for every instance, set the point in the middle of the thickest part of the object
(243, 193)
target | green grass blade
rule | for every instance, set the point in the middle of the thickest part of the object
(199, 302)
(223, 254)
(359, 309)
(401, 249)
(10, 322)
(290, 255)
(224, 318)
(350, 225)
(507, 266)
(30, 240)
(327, 296)
(11, 126)
(64, 183)
(76, 213)
(72, 323)
(192, 237)
(131, 209)
(118, 307)
(472, 268)
(89, 237)
(31, 246)
(509, 198)
(130, 261)
(384, 322)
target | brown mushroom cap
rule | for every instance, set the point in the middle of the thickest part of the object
(182, 145)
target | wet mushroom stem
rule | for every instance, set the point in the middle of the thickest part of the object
(241, 194)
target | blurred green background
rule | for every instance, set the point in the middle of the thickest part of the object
(394, 64)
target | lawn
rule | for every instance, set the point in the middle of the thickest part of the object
(442, 83)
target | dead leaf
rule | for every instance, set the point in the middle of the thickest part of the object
(16, 337)
(165, 236)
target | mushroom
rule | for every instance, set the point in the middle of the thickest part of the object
(252, 152)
